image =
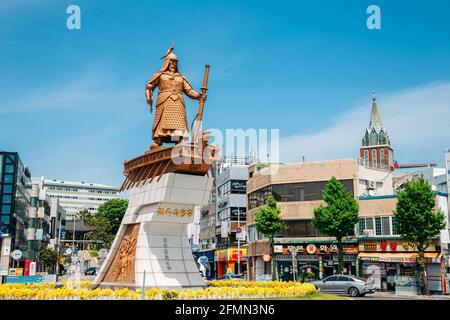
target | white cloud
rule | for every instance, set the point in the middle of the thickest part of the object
(417, 121)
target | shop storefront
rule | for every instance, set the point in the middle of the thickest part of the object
(391, 265)
(227, 261)
(308, 261)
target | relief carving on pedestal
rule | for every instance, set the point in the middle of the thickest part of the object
(122, 268)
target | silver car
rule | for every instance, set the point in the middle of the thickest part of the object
(344, 284)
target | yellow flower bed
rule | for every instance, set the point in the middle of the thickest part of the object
(218, 290)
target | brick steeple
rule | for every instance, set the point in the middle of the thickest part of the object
(376, 148)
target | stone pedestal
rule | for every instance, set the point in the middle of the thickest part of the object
(153, 235)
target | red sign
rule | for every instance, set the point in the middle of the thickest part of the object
(311, 249)
(393, 245)
(383, 245)
(27, 268)
(236, 254)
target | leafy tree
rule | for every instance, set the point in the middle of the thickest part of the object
(48, 256)
(269, 222)
(106, 221)
(339, 217)
(418, 220)
(113, 210)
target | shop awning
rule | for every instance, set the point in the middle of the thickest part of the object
(398, 256)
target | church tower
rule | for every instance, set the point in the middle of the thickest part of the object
(376, 150)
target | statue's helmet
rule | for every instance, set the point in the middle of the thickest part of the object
(168, 57)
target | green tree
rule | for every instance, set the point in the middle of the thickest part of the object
(113, 210)
(49, 257)
(269, 222)
(106, 221)
(339, 217)
(418, 220)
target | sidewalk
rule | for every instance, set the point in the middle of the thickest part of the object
(391, 295)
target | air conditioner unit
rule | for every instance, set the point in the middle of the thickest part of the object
(368, 232)
(371, 185)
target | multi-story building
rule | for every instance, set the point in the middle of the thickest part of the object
(74, 196)
(29, 219)
(231, 210)
(14, 199)
(298, 190)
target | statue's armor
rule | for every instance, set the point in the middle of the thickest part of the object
(170, 118)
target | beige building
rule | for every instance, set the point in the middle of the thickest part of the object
(298, 190)
(302, 251)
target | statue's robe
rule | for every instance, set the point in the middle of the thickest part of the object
(170, 118)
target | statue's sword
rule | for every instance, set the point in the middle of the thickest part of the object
(198, 118)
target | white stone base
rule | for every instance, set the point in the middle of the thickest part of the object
(163, 209)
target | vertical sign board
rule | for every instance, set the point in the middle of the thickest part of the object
(4, 258)
(224, 229)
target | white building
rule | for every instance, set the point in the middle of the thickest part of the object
(74, 196)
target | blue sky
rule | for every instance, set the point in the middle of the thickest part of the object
(72, 101)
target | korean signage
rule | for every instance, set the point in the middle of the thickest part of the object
(391, 246)
(230, 254)
(238, 186)
(174, 212)
(315, 248)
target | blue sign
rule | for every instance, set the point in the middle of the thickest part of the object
(23, 279)
(203, 260)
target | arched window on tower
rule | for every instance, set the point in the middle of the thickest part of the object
(373, 138)
(366, 157)
(382, 138)
(382, 159)
(374, 158)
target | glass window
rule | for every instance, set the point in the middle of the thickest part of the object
(4, 219)
(332, 278)
(362, 226)
(9, 178)
(299, 194)
(382, 158)
(374, 158)
(385, 226)
(7, 188)
(366, 157)
(311, 191)
(378, 226)
(10, 159)
(9, 168)
(6, 208)
(369, 224)
(7, 198)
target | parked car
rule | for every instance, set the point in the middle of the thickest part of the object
(90, 272)
(232, 276)
(350, 285)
